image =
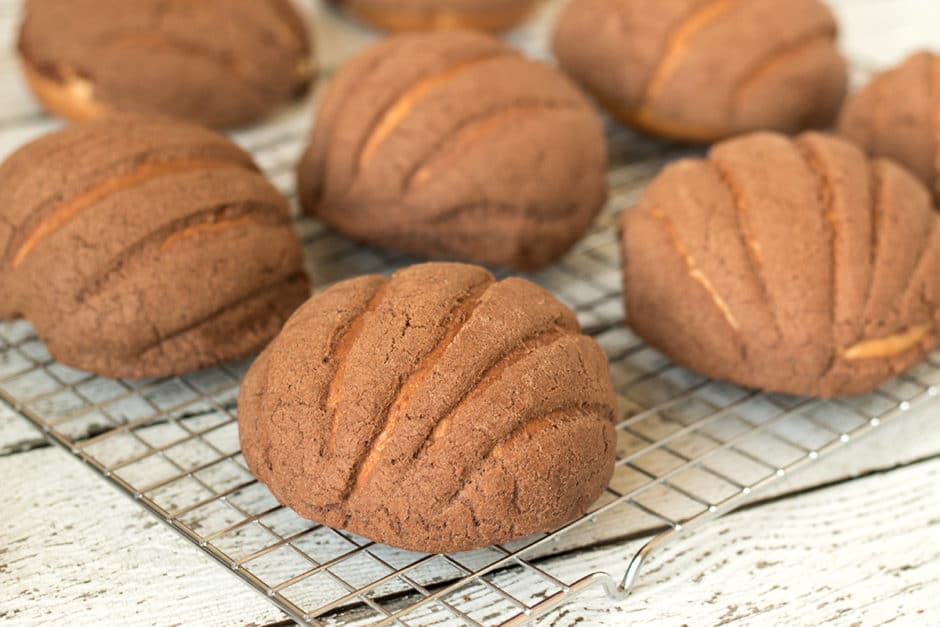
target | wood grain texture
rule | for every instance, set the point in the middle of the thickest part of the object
(790, 555)
(74, 550)
(862, 553)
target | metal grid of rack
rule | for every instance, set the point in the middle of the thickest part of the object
(689, 449)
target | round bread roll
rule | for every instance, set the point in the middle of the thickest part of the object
(426, 15)
(454, 145)
(142, 247)
(702, 70)
(438, 410)
(795, 266)
(220, 63)
(896, 116)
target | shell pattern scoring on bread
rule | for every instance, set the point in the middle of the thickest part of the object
(143, 247)
(897, 116)
(220, 63)
(791, 265)
(456, 146)
(703, 70)
(437, 410)
(428, 15)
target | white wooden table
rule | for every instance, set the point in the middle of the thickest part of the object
(855, 539)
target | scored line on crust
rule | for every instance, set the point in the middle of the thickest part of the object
(140, 175)
(462, 312)
(565, 413)
(470, 129)
(677, 45)
(539, 338)
(693, 269)
(826, 196)
(258, 213)
(342, 348)
(776, 56)
(406, 101)
(749, 245)
(258, 294)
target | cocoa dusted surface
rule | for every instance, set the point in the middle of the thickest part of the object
(702, 70)
(456, 146)
(438, 410)
(426, 15)
(141, 247)
(897, 116)
(791, 265)
(220, 63)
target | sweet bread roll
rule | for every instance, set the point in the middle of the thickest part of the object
(438, 410)
(220, 63)
(702, 70)
(455, 146)
(791, 265)
(896, 116)
(141, 247)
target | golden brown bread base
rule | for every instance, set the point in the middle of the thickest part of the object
(405, 20)
(73, 100)
(648, 122)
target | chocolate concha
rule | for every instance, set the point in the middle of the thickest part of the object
(220, 63)
(703, 70)
(437, 410)
(456, 146)
(143, 247)
(791, 265)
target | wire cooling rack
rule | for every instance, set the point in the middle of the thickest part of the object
(689, 449)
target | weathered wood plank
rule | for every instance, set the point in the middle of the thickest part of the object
(74, 550)
(862, 553)
(863, 549)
